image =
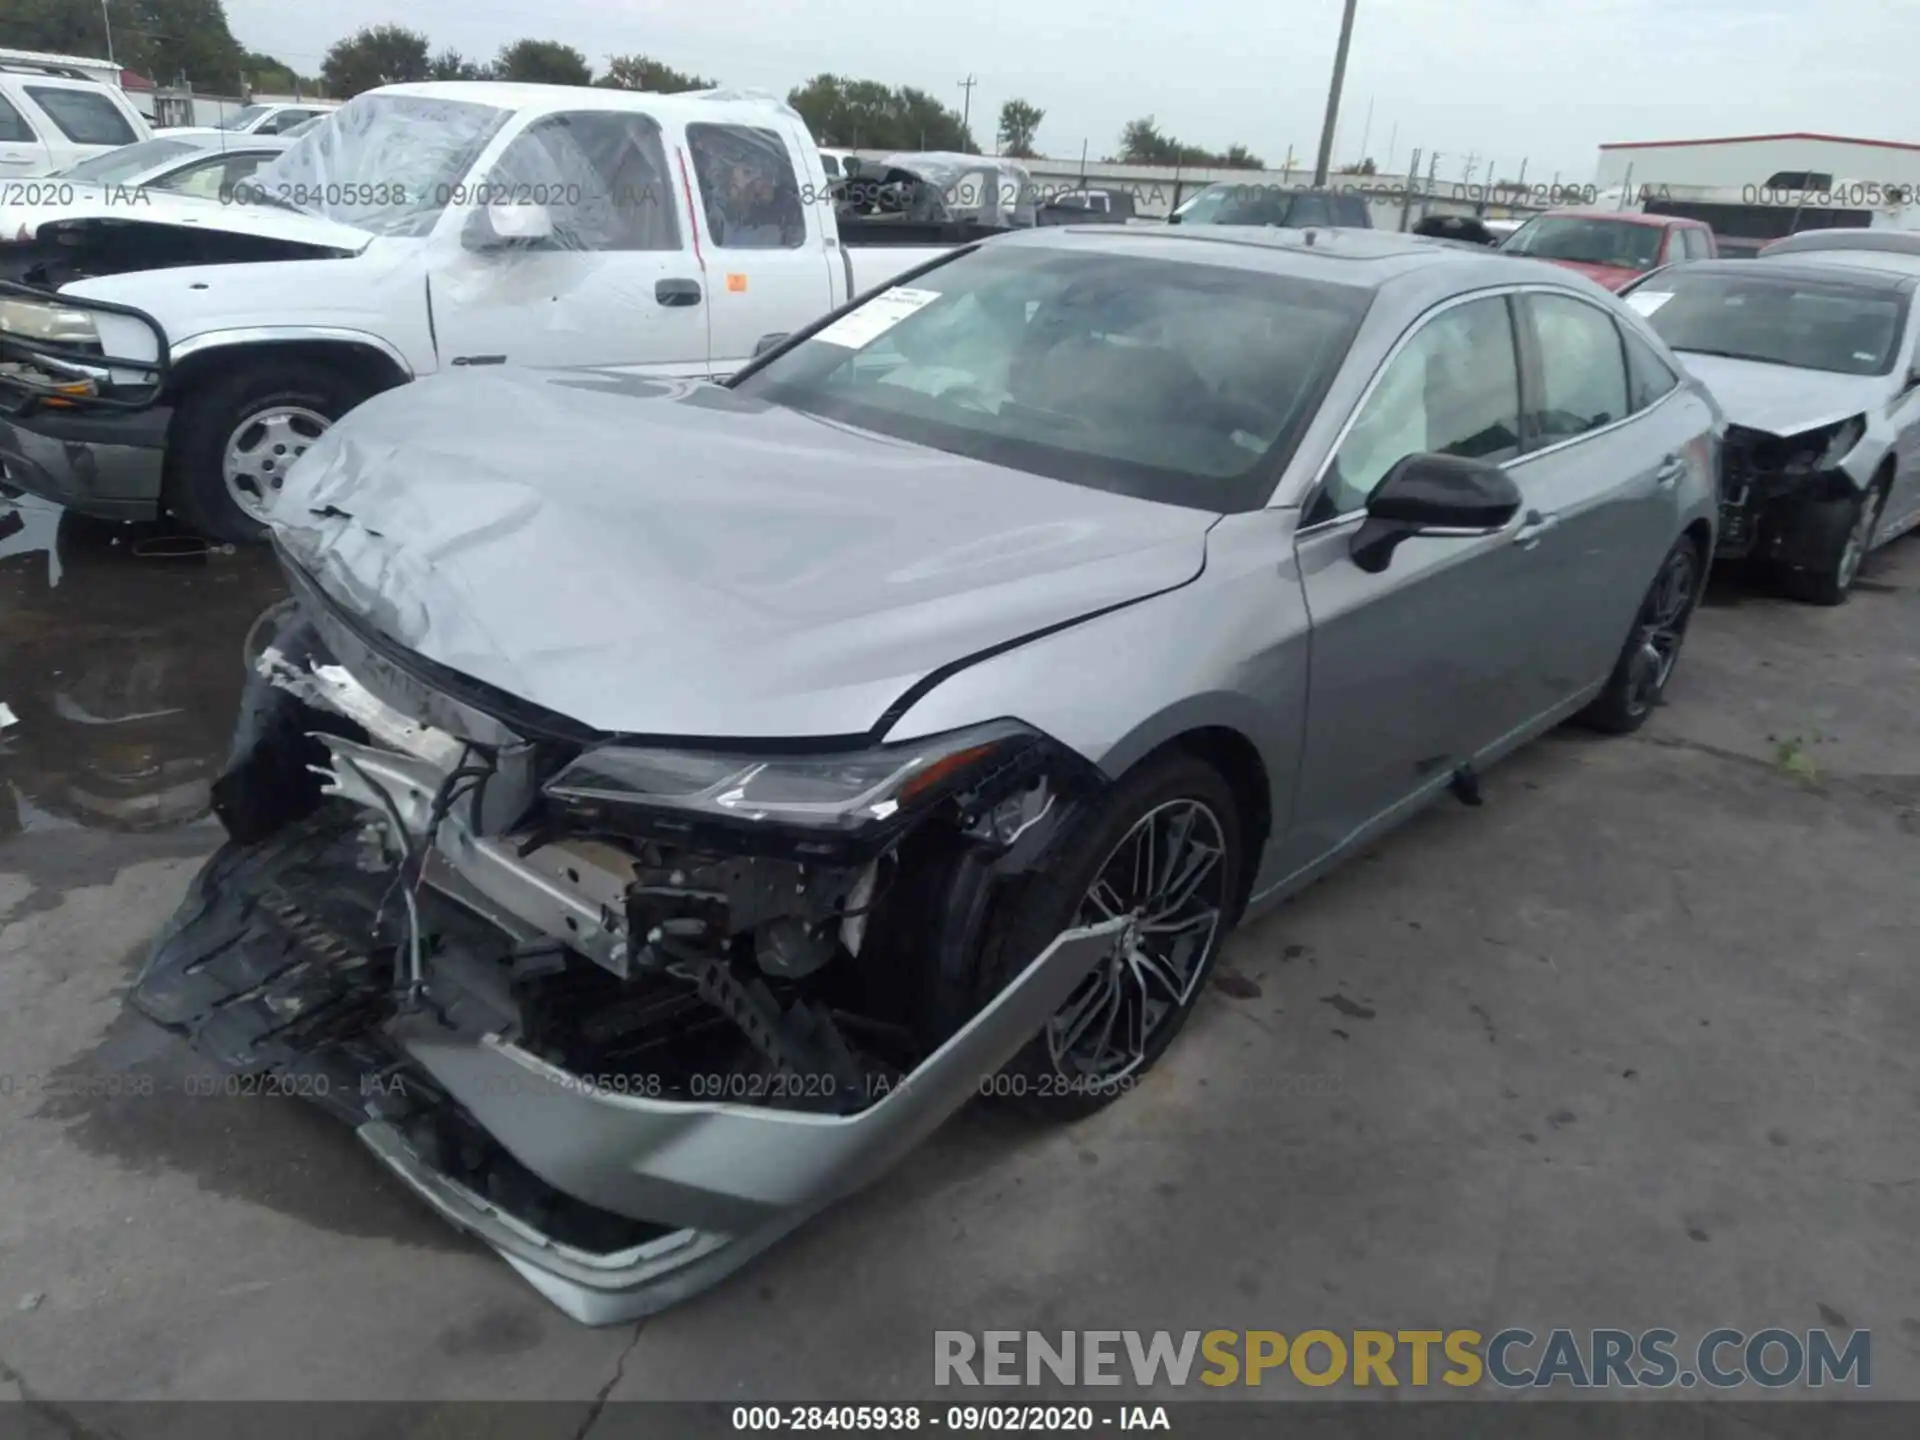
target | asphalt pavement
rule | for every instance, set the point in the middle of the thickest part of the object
(1633, 1044)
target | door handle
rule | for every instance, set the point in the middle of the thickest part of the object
(677, 292)
(1532, 528)
(1670, 471)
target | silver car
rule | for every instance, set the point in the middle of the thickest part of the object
(1814, 359)
(205, 163)
(664, 804)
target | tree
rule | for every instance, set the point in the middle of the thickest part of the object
(1019, 122)
(637, 72)
(1365, 167)
(163, 39)
(377, 55)
(1141, 143)
(867, 115)
(542, 62)
(275, 77)
(452, 65)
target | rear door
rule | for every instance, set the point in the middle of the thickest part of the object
(618, 281)
(1607, 449)
(764, 246)
(1415, 669)
(22, 152)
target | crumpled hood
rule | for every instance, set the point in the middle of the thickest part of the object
(1784, 399)
(150, 206)
(668, 558)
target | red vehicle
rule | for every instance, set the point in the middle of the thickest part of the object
(1612, 247)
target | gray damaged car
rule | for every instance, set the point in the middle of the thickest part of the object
(663, 805)
(1813, 359)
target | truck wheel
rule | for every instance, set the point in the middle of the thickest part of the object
(1166, 850)
(234, 438)
(1842, 534)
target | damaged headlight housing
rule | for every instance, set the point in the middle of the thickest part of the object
(1823, 449)
(56, 324)
(830, 794)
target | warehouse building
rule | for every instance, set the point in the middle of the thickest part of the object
(1774, 161)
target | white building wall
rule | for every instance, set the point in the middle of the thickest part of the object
(1751, 162)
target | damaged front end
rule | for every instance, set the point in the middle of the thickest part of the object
(1769, 483)
(626, 1012)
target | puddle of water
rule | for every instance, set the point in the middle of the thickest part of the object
(122, 655)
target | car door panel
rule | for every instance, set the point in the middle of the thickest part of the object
(22, 152)
(618, 284)
(1415, 669)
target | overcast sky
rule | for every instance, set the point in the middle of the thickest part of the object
(1502, 78)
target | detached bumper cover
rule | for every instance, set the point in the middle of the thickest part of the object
(107, 463)
(258, 973)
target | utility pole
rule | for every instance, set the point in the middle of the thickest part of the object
(1393, 139)
(1366, 130)
(107, 20)
(1333, 94)
(1468, 166)
(966, 113)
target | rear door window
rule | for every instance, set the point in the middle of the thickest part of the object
(747, 182)
(1649, 378)
(86, 117)
(1583, 372)
(14, 128)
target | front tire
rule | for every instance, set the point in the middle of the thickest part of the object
(234, 438)
(1166, 849)
(1648, 659)
(1846, 537)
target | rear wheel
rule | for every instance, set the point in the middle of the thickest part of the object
(1647, 661)
(235, 438)
(1165, 855)
(1843, 537)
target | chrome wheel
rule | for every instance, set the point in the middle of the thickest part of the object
(1167, 879)
(1663, 625)
(261, 447)
(1858, 539)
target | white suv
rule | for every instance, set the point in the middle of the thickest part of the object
(48, 122)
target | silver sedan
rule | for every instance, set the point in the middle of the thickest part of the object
(664, 804)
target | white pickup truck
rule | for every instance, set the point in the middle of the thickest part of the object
(165, 352)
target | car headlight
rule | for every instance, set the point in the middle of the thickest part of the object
(833, 794)
(38, 320)
(1825, 448)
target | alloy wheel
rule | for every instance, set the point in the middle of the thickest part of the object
(1167, 879)
(261, 448)
(1663, 625)
(1858, 539)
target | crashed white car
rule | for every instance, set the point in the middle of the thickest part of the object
(181, 353)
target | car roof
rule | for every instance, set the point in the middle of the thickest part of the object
(1630, 217)
(1362, 259)
(1882, 262)
(1803, 271)
(1899, 242)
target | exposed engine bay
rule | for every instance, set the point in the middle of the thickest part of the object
(62, 251)
(1766, 480)
(520, 979)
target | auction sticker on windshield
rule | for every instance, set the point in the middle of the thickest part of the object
(1645, 302)
(872, 320)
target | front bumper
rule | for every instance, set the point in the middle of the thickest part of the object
(261, 973)
(107, 464)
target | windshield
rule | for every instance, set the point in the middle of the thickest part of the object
(241, 118)
(1182, 383)
(1809, 324)
(388, 164)
(118, 166)
(1235, 204)
(1588, 240)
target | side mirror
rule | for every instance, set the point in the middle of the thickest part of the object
(1433, 495)
(502, 226)
(768, 342)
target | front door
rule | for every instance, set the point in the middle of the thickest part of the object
(765, 247)
(1415, 668)
(616, 282)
